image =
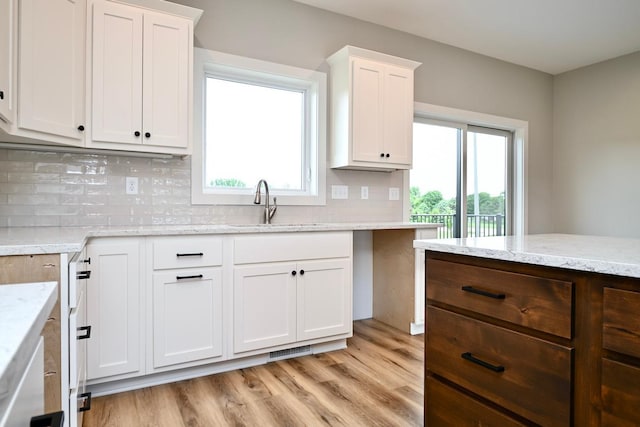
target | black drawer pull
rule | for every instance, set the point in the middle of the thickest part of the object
(195, 276)
(86, 404)
(54, 419)
(85, 336)
(193, 254)
(468, 356)
(87, 261)
(83, 274)
(483, 293)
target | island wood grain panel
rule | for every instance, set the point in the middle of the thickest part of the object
(620, 397)
(41, 268)
(536, 381)
(376, 381)
(621, 321)
(535, 302)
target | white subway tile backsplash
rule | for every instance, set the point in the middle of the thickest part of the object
(70, 189)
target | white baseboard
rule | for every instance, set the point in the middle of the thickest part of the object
(417, 328)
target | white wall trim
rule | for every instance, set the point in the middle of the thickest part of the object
(520, 128)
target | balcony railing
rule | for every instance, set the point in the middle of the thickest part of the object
(477, 225)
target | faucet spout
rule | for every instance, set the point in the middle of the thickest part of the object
(269, 211)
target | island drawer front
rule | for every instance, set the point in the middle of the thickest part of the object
(450, 407)
(620, 397)
(535, 302)
(536, 378)
(621, 321)
(186, 252)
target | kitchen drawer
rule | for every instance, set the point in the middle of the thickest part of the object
(447, 406)
(620, 397)
(621, 321)
(187, 252)
(292, 246)
(534, 302)
(79, 331)
(526, 375)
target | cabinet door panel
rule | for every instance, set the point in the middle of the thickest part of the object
(324, 298)
(166, 80)
(117, 73)
(113, 308)
(187, 316)
(264, 306)
(52, 66)
(366, 112)
(7, 58)
(398, 114)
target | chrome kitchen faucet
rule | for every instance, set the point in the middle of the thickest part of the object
(269, 211)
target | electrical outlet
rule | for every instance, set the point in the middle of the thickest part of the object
(364, 193)
(131, 185)
(339, 192)
(394, 193)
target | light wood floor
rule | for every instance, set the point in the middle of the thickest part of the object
(376, 381)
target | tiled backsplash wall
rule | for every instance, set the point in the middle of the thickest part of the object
(48, 188)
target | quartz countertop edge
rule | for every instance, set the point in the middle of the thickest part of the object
(598, 254)
(51, 240)
(24, 309)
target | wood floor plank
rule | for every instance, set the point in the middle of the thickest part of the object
(376, 381)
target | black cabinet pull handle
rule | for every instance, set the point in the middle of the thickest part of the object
(83, 274)
(86, 261)
(136, 133)
(293, 273)
(54, 419)
(388, 155)
(191, 254)
(302, 272)
(1, 94)
(147, 135)
(483, 293)
(86, 404)
(381, 154)
(85, 336)
(468, 356)
(195, 276)
(81, 128)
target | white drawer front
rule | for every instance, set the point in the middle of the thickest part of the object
(292, 246)
(186, 252)
(79, 332)
(79, 271)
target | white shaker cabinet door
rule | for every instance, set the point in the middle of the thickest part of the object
(398, 115)
(264, 306)
(187, 316)
(367, 110)
(117, 73)
(324, 292)
(51, 66)
(8, 37)
(166, 81)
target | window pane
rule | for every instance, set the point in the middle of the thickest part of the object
(486, 184)
(253, 132)
(433, 179)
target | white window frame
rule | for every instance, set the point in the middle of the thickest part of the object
(520, 129)
(314, 83)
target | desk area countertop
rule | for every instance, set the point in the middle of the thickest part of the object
(49, 240)
(597, 254)
(24, 309)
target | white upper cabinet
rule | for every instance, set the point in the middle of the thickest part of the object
(43, 78)
(141, 79)
(372, 110)
(8, 39)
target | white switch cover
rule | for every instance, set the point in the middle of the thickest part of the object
(339, 192)
(131, 184)
(394, 193)
(364, 193)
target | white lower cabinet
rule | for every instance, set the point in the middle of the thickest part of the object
(115, 309)
(187, 316)
(289, 300)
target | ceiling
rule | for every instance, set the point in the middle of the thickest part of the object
(547, 35)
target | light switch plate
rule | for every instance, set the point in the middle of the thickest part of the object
(339, 192)
(394, 193)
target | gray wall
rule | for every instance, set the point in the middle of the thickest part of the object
(596, 156)
(287, 32)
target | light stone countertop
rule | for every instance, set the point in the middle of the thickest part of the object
(52, 240)
(24, 309)
(607, 255)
